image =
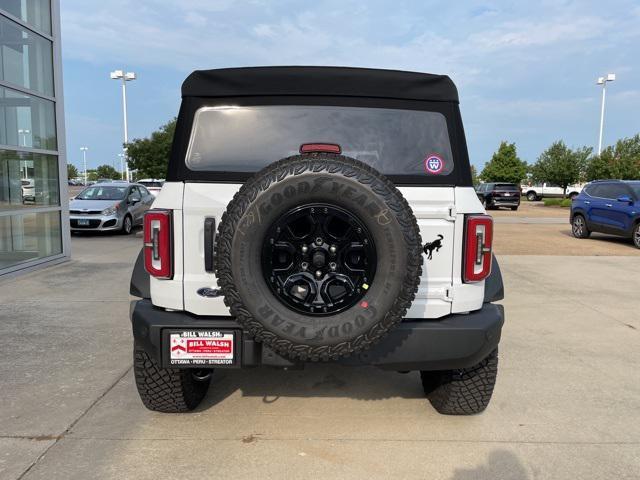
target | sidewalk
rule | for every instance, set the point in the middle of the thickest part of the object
(64, 342)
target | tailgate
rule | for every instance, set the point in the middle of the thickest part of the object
(433, 207)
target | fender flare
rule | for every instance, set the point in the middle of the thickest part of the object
(140, 284)
(493, 286)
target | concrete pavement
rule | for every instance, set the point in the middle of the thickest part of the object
(567, 402)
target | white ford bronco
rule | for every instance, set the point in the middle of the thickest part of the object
(317, 214)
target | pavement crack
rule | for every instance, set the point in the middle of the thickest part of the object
(57, 438)
(38, 438)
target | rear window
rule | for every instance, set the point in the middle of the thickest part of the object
(152, 184)
(246, 139)
(507, 186)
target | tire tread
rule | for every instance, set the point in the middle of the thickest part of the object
(168, 390)
(464, 391)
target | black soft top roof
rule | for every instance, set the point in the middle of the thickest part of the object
(319, 81)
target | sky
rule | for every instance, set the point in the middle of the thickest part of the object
(526, 71)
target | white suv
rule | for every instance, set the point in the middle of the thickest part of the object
(317, 214)
(549, 190)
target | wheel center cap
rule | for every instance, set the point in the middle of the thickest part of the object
(319, 259)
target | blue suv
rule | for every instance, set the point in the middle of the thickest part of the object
(608, 206)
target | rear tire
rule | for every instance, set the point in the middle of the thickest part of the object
(514, 208)
(532, 196)
(464, 391)
(167, 390)
(579, 227)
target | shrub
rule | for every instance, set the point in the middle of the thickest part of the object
(557, 202)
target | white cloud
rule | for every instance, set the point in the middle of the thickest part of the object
(195, 19)
(200, 34)
(541, 33)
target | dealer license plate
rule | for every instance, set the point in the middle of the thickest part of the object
(201, 347)
(83, 221)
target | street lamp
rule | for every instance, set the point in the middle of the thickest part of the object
(24, 133)
(84, 161)
(121, 155)
(603, 81)
(124, 77)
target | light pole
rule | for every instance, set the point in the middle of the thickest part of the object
(603, 81)
(84, 162)
(121, 155)
(24, 133)
(125, 77)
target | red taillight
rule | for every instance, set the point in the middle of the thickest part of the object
(477, 248)
(158, 259)
(320, 147)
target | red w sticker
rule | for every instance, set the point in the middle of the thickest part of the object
(433, 164)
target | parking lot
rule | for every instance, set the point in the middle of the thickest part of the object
(567, 402)
(538, 230)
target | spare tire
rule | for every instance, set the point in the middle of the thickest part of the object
(318, 256)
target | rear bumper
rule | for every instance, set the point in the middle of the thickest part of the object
(500, 202)
(100, 223)
(455, 341)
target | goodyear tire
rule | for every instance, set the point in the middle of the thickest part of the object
(464, 391)
(168, 390)
(342, 183)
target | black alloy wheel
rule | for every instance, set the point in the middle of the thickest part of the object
(319, 259)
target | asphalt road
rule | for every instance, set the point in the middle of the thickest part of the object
(567, 402)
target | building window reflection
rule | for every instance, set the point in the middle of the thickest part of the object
(35, 13)
(25, 58)
(33, 210)
(27, 121)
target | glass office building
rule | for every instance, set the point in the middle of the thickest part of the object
(33, 185)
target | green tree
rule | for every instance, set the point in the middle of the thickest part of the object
(107, 171)
(72, 171)
(505, 165)
(561, 165)
(150, 156)
(474, 175)
(621, 161)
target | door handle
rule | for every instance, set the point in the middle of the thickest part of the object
(608, 205)
(587, 202)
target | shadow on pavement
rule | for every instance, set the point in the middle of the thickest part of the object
(602, 237)
(360, 383)
(501, 464)
(107, 233)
